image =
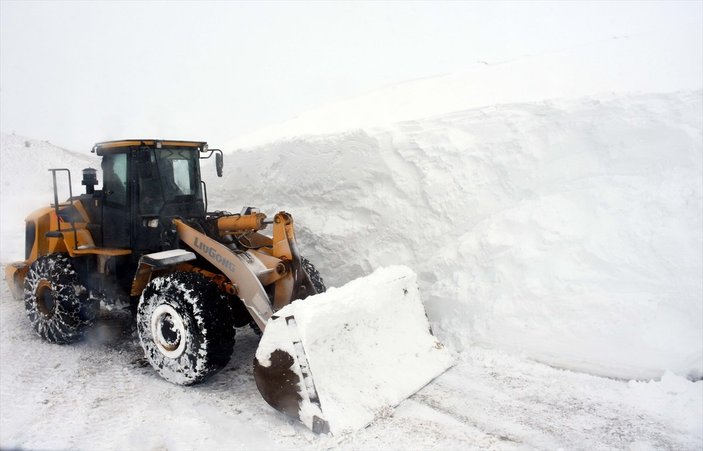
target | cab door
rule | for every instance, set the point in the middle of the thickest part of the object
(147, 203)
(116, 210)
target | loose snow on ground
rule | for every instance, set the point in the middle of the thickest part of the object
(102, 394)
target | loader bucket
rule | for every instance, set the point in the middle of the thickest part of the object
(337, 360)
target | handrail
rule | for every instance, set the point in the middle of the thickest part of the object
(202, 182)
(70, 198)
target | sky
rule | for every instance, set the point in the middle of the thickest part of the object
(75, 73)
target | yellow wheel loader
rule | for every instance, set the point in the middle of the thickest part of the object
(190, 276)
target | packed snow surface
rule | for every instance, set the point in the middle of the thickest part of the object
(368, 345)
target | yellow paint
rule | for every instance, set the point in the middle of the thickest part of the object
(147, 142)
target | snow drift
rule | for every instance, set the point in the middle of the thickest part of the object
(568, 231)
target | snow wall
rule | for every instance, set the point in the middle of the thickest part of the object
(569, 231)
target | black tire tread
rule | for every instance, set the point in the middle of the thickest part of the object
(315, 276)
(208, 313)
(74, 310)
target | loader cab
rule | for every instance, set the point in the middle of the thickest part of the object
(146, 183)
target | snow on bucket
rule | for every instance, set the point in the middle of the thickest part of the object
(337, 359)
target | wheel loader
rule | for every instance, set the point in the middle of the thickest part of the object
(189, 276)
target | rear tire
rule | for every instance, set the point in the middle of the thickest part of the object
(185, 327)
(57, 303)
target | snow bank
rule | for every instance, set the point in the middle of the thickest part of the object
(26, 184)
(368, 346)
(568, 231)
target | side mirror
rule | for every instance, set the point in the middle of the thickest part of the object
(219, 163)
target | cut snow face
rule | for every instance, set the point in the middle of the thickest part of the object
(568, 231)
(364, 348)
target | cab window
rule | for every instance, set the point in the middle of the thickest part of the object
(178, 173)
(150, 197)
(115, 179)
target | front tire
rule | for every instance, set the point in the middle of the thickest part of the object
(314, 275)
(185, 327)
(57, 303)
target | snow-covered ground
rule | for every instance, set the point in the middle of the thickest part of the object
(101, 394)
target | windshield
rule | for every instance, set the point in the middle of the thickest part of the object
(177, 172)
(170, 176)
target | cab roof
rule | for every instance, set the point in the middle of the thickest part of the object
(107, 147)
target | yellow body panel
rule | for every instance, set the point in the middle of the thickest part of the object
(76, 243)
(240, 223)
(147, 142)
(15, 274)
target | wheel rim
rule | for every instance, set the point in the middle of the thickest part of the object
(46, 304)
(168, 331)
